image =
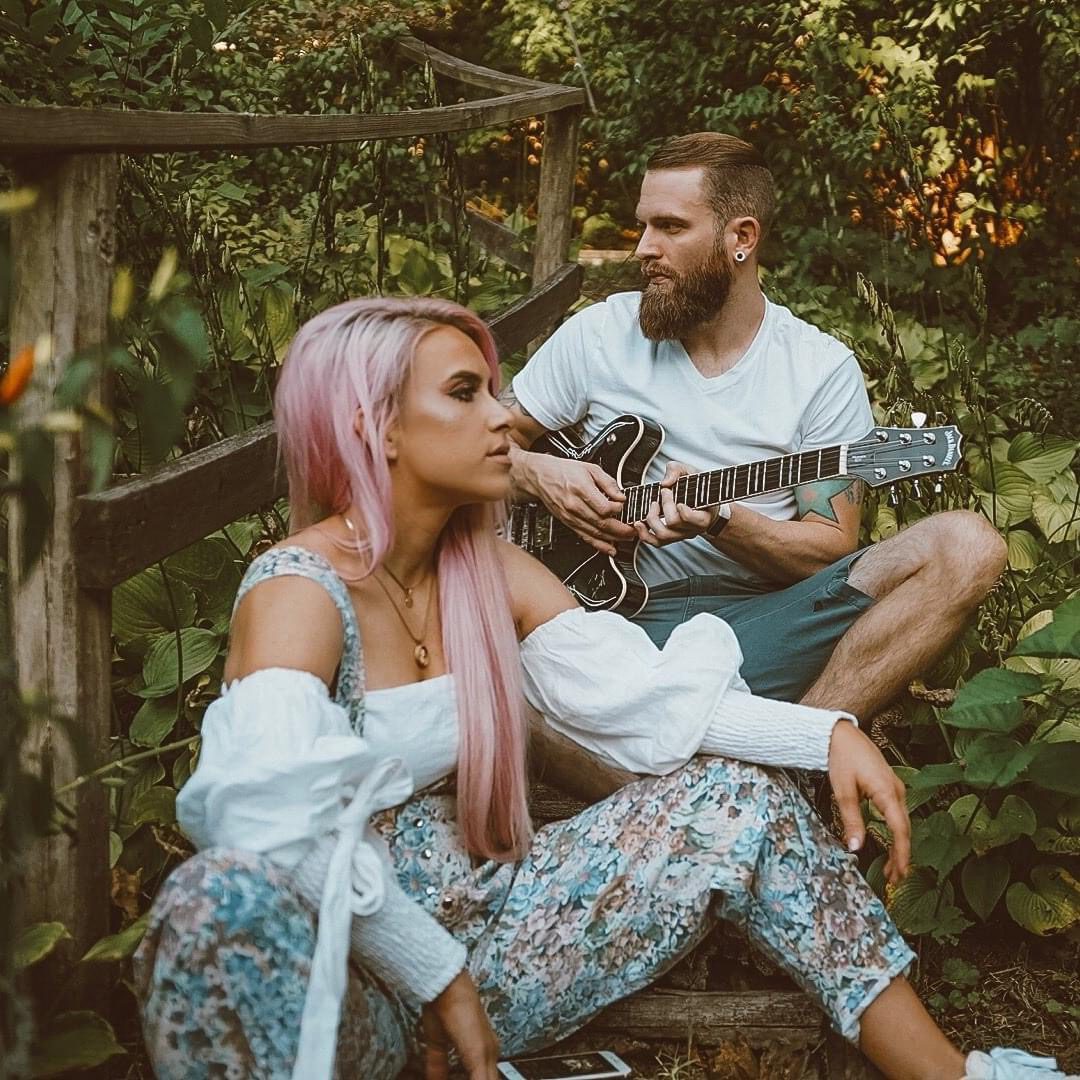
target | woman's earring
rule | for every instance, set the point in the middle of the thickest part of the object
(740, 256)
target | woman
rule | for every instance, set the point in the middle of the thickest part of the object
(395, 807)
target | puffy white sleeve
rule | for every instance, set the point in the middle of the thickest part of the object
(281, 773)
(598, 679)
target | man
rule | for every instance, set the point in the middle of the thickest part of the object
(734, 378)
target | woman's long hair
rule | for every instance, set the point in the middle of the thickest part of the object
(357, 355)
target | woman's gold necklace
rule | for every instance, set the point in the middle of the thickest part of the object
(421, 654)
(420, 650)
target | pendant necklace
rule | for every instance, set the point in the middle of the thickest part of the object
(420, 650)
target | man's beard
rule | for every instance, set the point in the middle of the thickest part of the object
(688, 300)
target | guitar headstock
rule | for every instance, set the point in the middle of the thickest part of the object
(889, 454)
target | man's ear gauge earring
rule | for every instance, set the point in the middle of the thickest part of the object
(740, 256)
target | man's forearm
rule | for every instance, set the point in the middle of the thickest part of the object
(781, 551)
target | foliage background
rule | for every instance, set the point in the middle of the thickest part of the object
(926, 154)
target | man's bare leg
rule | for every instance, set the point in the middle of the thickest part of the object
(927, 581)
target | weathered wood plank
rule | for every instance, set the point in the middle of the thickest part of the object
(558, 167)
(533, 314)
(494, 238)
(122, 530)
(46, 129)
(472, 74)
(128, 527)
(63, 251)
(709, 1018)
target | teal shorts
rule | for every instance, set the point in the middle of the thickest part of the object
(786, 636)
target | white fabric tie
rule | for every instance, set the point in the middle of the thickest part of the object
(354, 885)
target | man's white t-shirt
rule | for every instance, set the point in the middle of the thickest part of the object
(795, 388)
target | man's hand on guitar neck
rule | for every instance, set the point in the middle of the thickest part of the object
(578, 493)
(668, 521)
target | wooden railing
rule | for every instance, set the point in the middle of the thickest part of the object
(62, 271)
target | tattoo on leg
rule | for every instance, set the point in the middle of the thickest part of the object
(817, 498)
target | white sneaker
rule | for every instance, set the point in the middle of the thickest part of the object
(1003, 1064)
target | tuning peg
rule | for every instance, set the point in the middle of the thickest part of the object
(894, 499)
(915, 488)
(938, 489)
(918, 419)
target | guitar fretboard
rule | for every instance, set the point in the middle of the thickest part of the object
(737, 481)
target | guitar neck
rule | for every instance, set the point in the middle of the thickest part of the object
(740, 481)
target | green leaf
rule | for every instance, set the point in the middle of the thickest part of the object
(1055, 843)
(141, 606)
(1024, 551)
(205, 561)
(117, 946)
(280, 316)
(992, 700)
(154, 721)
(1041, 456)
(36, 942)
(1057, 767)
(1011, 501)
(156, 805)
(1050, 904)
(116, 848)
(1014, 819)
(74, 1040)
(217, 11)
(983, 881)
(996, 761)
(920, 906)
(937, 843)
(1058, 520)
(202, 34)
(1060, 638)
(161, 668)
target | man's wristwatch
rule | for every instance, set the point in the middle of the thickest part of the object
(723, 516)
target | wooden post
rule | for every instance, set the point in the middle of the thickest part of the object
(63, 253)
(556, 196)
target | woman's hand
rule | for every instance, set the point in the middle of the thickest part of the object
(456, 1018)
(857, 770)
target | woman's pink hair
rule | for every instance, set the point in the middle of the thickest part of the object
(357, 355)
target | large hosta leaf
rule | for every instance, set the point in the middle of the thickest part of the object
(154, 721)
(919, 905)
(1014, 819)
(1041, 456)
(118, 946)
(1060, 637)
(1010, 501)
(74, 1040)
(37, 941)
(1050, 904)
(937, 842)
(141, 606)
(161, 668)
(1024, 551)
(983, 881)
(1057, 767)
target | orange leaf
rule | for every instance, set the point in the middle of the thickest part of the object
(17, 376)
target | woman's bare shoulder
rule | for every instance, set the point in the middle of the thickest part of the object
(286, 621)
(536, 594)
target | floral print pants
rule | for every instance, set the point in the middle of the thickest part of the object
(601, 906)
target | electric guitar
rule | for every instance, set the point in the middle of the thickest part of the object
(624, 450)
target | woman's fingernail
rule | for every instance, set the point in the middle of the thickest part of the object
(854, 844)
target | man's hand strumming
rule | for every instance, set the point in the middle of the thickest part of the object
(579, 494)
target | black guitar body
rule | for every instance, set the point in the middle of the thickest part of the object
(623, 449)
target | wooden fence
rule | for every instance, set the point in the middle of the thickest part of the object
(63, 250)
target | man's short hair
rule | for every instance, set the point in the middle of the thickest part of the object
(737, 180)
